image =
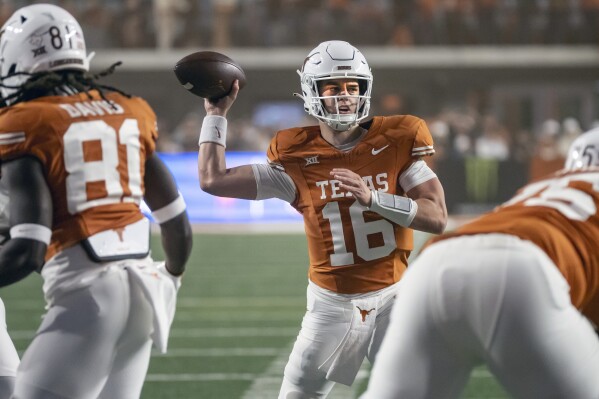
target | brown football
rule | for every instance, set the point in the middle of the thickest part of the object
(208, 74)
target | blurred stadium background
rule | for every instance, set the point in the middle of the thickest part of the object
(504, 86)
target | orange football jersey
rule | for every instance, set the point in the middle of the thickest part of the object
(560, 215)
(352, 250)
(93, 155)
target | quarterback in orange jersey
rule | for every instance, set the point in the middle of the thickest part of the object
(509, 290)
(361, 187)
(77, 159)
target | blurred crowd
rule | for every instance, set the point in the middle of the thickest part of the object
(459, 133)
(463, 134)
(263, 23)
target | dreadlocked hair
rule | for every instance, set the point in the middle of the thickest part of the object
(60, 82)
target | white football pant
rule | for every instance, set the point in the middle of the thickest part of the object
(94, 340)
(9, 359)
(329, 319)
(486, 299)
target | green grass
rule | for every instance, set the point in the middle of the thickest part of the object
(239, 310)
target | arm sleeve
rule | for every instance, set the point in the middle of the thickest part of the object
(416, 174)
(272, 182)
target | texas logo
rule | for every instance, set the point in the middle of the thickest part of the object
(364, 313)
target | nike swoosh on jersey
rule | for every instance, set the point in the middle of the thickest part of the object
(376, 151)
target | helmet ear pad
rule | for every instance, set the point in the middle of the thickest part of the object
(335, 60)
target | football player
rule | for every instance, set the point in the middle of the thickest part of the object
(509, 290)
(77, 159)
(361, 186)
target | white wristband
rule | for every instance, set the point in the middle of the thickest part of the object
(31, 231)
(214, 130)
(399, 210)
(169, 211)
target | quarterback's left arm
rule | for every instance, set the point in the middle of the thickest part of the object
(424, 208)
(30, 210)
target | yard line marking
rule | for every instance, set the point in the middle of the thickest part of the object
(189, 302)
(201, 332)
(212, 352)
(234, 332)
(218, 352)
(200, 377)
(262, 316)
(270, 302)
(268, 384)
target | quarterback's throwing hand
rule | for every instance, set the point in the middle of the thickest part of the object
(221, 106)
(353, 183)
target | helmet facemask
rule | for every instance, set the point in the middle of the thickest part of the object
(331, 61)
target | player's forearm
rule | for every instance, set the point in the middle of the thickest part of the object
(177, 243)
(430, 218)
(217, 179)
(212, 167)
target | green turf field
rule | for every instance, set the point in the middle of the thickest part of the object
(238, 313)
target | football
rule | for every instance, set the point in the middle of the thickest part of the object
(208, 74)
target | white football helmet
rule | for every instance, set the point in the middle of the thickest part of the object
(37, 38)
(584, 151)
(334, 60)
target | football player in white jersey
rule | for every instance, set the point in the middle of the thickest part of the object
(516, 289)
(77, 159)
(361, 186)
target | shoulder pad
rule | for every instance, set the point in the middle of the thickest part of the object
(290, 143)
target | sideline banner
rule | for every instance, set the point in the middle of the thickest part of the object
(205, 208)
